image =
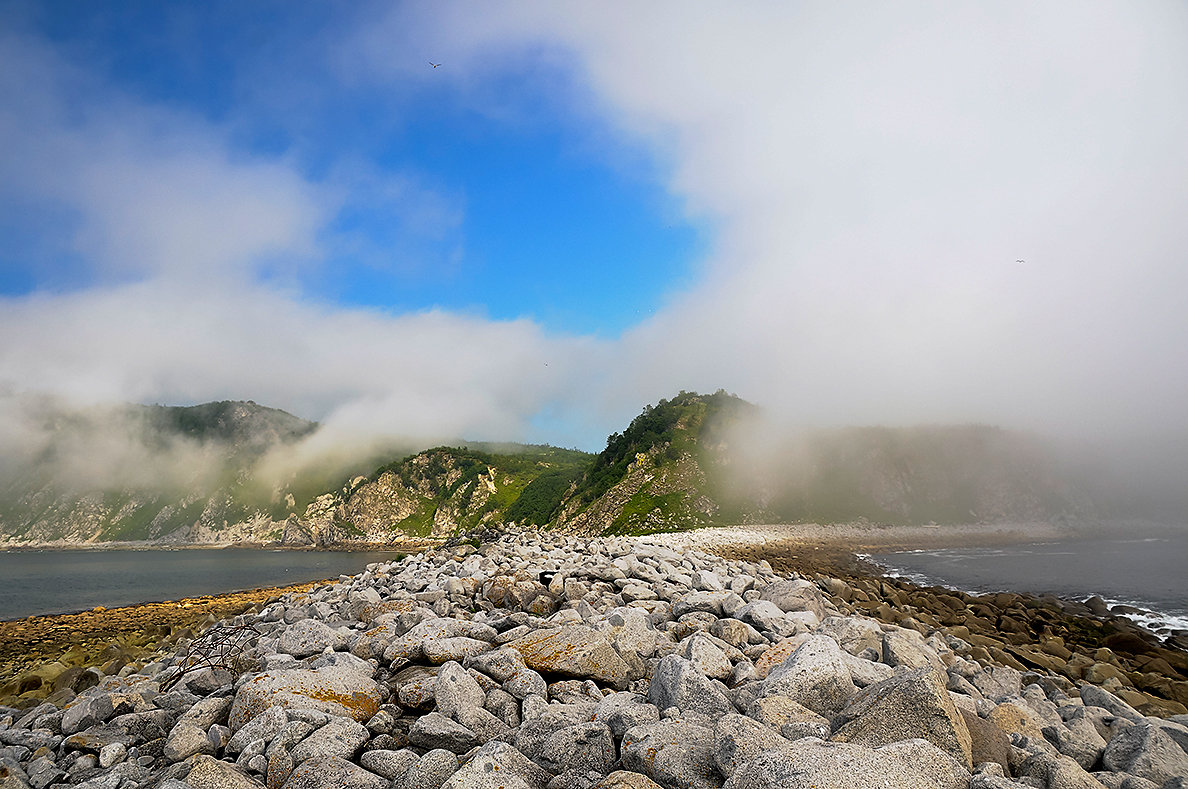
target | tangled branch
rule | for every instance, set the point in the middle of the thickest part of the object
(216, 648)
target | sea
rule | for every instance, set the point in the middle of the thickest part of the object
(1149, 573)
(66, 581)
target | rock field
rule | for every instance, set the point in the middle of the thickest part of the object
(549, 662)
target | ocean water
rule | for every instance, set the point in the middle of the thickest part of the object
(1150, 573)
(61, 581)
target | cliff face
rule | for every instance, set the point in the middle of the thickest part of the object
(137, 472)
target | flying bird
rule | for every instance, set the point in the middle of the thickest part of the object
(435, 65)
(1020, 260)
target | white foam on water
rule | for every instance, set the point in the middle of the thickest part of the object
(1157, 622)
(1152, 620)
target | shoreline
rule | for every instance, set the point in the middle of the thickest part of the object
(141, 545)
(41, 655)
(828, 554)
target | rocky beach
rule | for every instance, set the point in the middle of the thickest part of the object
(687, 660)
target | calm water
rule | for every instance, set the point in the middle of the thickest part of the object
(1150, 573)
(48, 582)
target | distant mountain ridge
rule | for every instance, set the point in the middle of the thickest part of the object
(198, 474)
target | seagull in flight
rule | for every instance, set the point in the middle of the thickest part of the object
(435, 65)
(1020, 260)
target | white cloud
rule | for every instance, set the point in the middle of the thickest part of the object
(154, 192)
(873, 173)
(870, 173)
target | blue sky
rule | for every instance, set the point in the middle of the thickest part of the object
(526, 219)
(589, 207)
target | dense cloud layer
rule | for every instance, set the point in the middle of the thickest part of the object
(871, 178)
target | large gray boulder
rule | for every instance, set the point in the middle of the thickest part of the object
(310, 637)
(333, 772)
(1146, 751)
(738, 739)
(797, 595)
(498, 765)
(815, 675)
(854, 634)
(674, 754)
(208, 772)
(334, 690)
(429, 772)
(574, 651)
(436, 731)
(814, 764)
(341, 737)
(904, 707)
(677, 683)
(457, 692)
(621, 711)
(585, 747)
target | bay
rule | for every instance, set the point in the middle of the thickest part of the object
(1146, 572)
(63, 581)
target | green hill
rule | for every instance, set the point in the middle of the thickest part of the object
(208, 473)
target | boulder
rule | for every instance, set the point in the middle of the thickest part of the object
(797, 595)
(625, 779)
(310, 637)
(333, 772)
(436, 731)
(341, 737)
(677, 683)
(1146, 751)
(208, 772)
(429, 772)
(738, 739)
(574, 651)
(334, 690)
(674, 754)
(813, 764)
(498, 765)
(815, 675)
(904, 707)
(621, 711)
(585, 747)
(457, 692)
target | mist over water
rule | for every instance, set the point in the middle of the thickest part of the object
(1146, 572)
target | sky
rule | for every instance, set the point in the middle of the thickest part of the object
(893, 213)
